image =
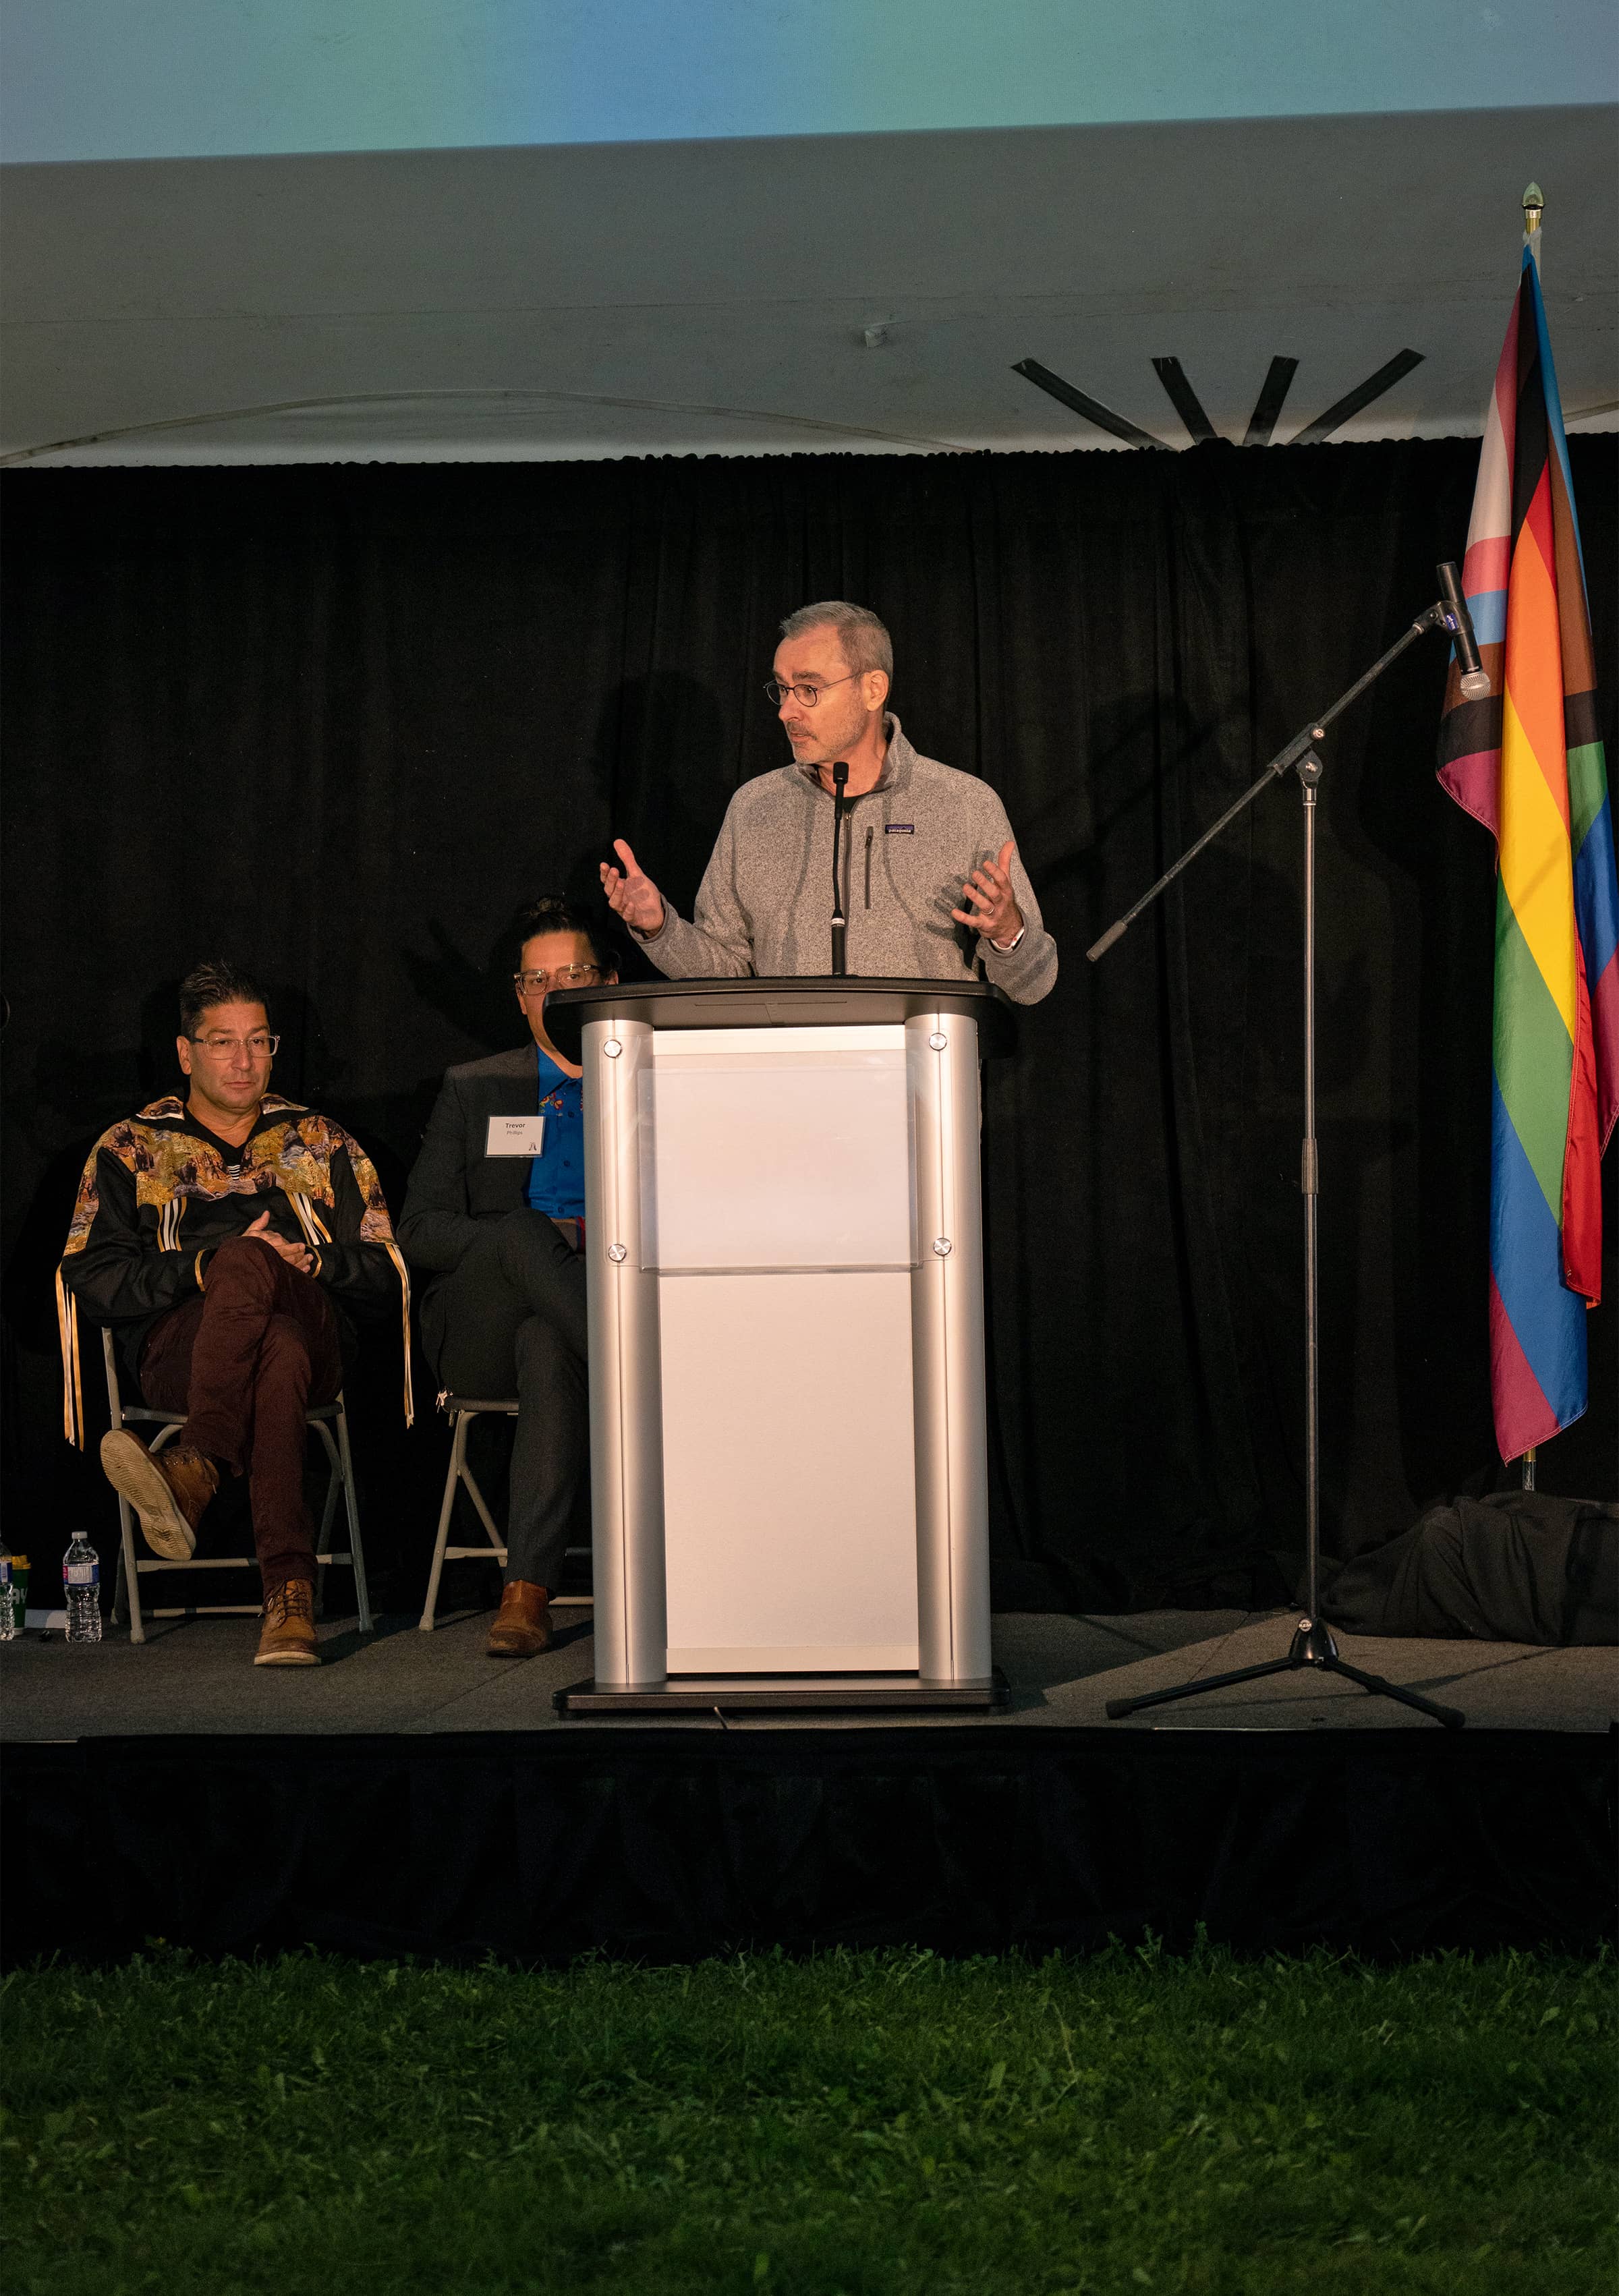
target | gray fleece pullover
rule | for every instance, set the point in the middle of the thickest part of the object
(764, 902)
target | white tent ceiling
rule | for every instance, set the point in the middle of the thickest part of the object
(716, 296)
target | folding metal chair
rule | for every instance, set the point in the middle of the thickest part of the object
(328, 1420)
(461, 1410)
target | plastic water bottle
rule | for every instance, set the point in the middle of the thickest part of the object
(81, 1588)
(19, 1593)
(9, 1620)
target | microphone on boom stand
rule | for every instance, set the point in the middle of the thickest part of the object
(1312, 1643)
(840, 924)
(1458, 621)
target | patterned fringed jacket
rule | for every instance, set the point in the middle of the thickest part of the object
(157, 1197)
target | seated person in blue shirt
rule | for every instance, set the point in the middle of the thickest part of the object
(501, 1236)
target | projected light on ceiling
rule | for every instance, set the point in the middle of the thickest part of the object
(110, 79)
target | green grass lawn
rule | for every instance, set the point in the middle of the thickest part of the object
(867, 2123)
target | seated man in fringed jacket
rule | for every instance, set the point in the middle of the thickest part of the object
(230, 1239)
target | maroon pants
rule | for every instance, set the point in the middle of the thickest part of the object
(243, 1361)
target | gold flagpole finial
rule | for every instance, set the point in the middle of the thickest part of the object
(1534, 208)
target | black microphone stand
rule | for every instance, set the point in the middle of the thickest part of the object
(840, 924)
(1312, 1643)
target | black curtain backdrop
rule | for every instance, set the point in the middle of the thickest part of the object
(341, 721)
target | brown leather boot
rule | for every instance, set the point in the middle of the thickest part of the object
(288, 1638)
(522, 1625)
(168, 1490)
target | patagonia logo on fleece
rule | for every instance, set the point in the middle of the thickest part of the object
(899, 828)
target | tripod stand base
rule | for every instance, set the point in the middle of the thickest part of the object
(1313, 1646)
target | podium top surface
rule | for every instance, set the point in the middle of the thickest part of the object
(805, 1001)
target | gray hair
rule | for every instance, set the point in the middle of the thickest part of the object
(866, 642)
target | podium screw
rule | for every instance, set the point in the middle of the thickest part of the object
(616, 1251)
(942, 1246)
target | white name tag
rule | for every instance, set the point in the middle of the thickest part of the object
(517, 1135)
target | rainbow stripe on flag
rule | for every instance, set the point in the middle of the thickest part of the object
(1528, 763)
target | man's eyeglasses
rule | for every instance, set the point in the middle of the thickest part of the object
(566, 975)
(806, 696)
(261, 1045)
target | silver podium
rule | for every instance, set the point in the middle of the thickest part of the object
(786, 1284)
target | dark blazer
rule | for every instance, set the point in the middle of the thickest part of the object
(454, 1185)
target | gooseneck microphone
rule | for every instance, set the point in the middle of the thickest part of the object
(840, 924)
(1458, 621)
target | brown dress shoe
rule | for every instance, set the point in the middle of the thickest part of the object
(288, 1638)
(522, 1624)
(168, 1490)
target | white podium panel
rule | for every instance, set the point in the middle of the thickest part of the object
(762, 1150)
(790, 1527)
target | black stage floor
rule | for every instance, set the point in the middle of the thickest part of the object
(412, 1796)
(194, 1675)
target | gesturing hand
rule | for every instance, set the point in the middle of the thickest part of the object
(632, 895)
(993, 911)
(296, 1254)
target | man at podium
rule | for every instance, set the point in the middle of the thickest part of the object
(929, 881)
